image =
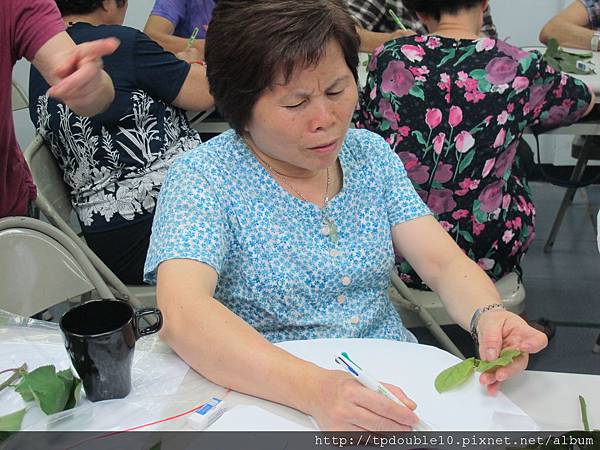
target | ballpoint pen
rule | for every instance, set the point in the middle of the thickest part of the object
(190, 41)
(397, 20)
(371, 383)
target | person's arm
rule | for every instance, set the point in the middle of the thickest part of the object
(464, 287)
(570, 27)
(75, 73)
(370, 40)
(194, 94)
(229, 352)
(161, 30)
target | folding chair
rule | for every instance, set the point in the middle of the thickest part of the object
(19, 99)
(419, 308)
(54, 201)
(40, 267)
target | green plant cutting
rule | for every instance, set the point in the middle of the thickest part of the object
(52, 391)
(458, 374)
(565, 61)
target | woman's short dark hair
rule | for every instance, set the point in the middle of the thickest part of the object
(251, 42)
(435, 8)
(67, 7)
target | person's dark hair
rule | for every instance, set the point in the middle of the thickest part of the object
(436, 8)
(67, 7)
(251, 42)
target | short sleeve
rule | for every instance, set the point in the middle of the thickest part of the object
(555, 98)
(157, 71)
(402, 201)
(36, 22)
(172, 10)
(190, 221)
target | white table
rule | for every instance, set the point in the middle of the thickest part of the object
(550, 399)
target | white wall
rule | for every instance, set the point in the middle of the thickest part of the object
(519, 20)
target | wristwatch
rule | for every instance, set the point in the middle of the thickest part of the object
(596, 41)
(475, 319)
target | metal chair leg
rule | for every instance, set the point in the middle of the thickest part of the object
(576, 176)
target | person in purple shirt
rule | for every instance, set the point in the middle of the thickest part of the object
(172, 22)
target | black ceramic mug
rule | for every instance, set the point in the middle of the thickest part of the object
(100, 338)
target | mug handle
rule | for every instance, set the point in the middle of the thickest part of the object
(152, 328)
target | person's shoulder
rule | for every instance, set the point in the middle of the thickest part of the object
(364, 145)
(218, 154)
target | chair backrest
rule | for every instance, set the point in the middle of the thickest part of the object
(54, 201)
(41, 267)
(19, 99)
(48, 178)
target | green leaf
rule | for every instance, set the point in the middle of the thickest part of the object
(13, 421)
(552, 47)
(455, 376)
(480, 215)
(416, 91)
(526, 62)
(484, 85)
(466, 236)
(23, 389)
(48, 389)
(506, 357)
(451, 54)
(384, 126)
(419, 136)
(466, 161)
(468, 53)
(73, 386)
(478, 74)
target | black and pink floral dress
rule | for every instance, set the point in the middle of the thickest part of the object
(454, 112)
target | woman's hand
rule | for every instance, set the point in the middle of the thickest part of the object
(343, 404)
(498, 330)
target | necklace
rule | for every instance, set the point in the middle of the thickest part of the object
(328, 226)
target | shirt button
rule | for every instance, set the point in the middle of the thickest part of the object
(325, 230)
(341, 299)
(334, 253)
(354, 320)
(346, 280)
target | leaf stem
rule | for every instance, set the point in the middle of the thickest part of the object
(18, 373)
(584, 416)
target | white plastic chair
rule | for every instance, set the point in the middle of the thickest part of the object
(40, 267)
(54, 201)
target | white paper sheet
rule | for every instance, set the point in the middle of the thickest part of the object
(413, 367)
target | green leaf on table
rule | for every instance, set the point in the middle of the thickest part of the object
(48, 389)
(23, 389)
(455, 375)
(506, 357)
(73, 386)
(13, 421)
(552, 47)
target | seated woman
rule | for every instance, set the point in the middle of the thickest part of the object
(114, 163)
(284, 227)
(172, 22)
(453, 106)
(578, 25)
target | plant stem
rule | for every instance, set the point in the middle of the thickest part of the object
(18, 373)
(584, 417)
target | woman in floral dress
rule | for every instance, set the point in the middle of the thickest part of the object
(454, 106)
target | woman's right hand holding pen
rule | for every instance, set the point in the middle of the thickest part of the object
(341, 403)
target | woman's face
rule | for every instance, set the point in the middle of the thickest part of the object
(299, 127)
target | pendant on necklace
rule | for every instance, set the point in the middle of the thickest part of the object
(329, 228)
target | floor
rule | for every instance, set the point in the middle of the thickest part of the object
(562, 286)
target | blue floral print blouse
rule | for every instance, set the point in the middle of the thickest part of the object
(219, 206)
(454, 111)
